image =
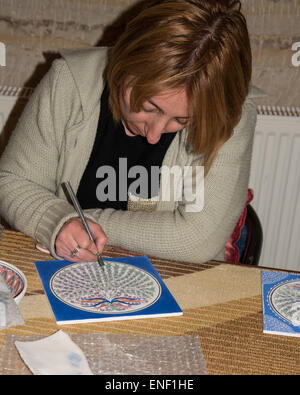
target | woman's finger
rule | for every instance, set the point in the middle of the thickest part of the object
(73, 242)
(99, 237)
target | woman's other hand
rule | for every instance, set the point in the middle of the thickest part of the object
(73, 237)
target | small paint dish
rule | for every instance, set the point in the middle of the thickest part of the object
(14, 279)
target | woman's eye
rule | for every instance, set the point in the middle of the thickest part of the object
(147, 109)
(182, 122)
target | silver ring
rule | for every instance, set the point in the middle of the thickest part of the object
(75, 251)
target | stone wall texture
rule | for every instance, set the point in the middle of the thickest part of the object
(34, 30)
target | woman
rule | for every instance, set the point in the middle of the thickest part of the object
(173, 92)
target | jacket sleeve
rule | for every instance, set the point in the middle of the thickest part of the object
(192, 237)
(28, 166)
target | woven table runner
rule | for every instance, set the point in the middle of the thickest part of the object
(221, 304)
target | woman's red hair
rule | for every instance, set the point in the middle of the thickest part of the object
(200, 45)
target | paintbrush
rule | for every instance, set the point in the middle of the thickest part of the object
(83, 220)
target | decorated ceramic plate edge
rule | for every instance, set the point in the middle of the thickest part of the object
(20, 295)
(271, 303)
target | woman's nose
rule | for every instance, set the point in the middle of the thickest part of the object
(153, 138)
(156, 129)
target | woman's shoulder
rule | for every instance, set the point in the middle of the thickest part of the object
(86, 66)
(84, 58)
(248, 119)
(249, 115)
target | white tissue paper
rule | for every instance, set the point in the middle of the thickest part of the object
(54, 355)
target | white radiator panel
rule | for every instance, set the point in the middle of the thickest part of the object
(275, 178)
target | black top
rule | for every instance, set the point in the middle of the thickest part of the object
(107, 187)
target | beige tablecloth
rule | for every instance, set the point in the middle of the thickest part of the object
(221, 303)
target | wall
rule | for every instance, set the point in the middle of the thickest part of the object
(33, 31)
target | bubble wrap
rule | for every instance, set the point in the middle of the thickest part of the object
(9, 312)
(121, 354)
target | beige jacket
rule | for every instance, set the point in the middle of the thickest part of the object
(52, 144)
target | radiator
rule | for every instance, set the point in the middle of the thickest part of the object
(274, 177)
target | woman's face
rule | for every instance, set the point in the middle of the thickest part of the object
(164, 113)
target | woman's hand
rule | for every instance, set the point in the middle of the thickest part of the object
(73, 236)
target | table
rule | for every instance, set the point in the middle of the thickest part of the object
(221, 303)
